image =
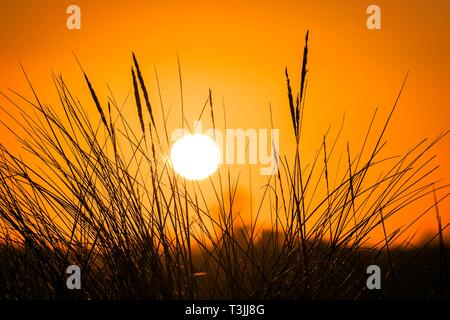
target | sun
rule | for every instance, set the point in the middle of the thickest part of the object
(195, 156)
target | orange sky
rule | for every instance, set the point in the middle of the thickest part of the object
(240, 49)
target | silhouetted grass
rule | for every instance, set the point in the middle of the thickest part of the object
(97, 194)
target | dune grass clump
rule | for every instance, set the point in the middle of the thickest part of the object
(97, 193)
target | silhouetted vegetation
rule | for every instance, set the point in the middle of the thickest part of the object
(97, 194)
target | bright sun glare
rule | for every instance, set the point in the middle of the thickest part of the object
(195, 156)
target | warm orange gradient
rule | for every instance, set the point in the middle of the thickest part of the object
(239, 49)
